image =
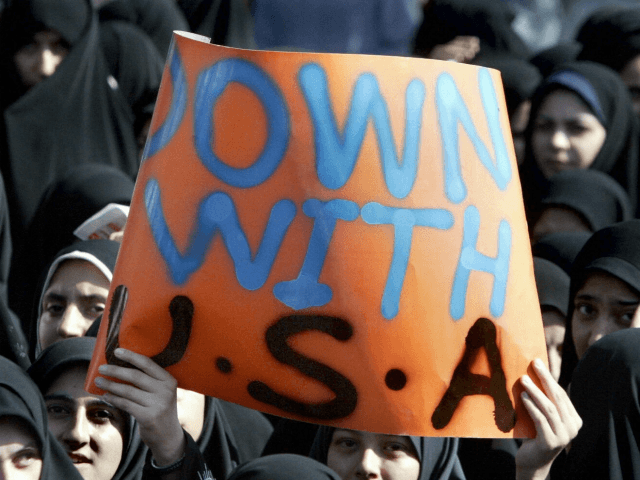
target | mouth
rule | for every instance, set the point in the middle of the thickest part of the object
(78, 459)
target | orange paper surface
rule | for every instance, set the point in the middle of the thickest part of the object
(323, 237)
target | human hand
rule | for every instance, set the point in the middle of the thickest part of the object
(151, 399)
(461, 49)
(556, 421)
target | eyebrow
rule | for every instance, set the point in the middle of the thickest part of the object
(68, 398)
(624, 303)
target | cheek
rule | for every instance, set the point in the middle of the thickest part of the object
(580, 332)
(406, 468)
(110, 443)
(341, 464)
(589, 146)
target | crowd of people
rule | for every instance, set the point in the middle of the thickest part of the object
(77, 91)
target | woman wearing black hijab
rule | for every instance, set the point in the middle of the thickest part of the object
(284, 467)
(581, 117)
(604, 293)
(73, 292)
(71, 114)
(21, 401)
(65, 205)
(560, 248)
(611, 36)
(76, 353)
(604, 391)
(437, 457)
(581, 200)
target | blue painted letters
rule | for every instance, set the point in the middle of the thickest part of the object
(403, 220)
(336, 154)
(168, 129)
(305, 291)
(210, 86)
(217, 211)
(451, 110)
(471, 259)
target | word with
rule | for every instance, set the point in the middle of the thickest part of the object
(217, 212)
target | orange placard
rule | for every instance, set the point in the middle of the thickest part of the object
(338, 239)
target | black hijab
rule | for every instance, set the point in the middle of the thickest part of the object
(611, 36)
(64, 206)
(597, 197)
(76, 116)
(604, 391)
(100, 253)
(614, 250)
(69, 353)
(157, 18)
(231, 436)
(602, 90)
(553, 285)
(226, 22)
(19, 397)
(561, 248)
(284, 467)
(438, 455)
(488, 20)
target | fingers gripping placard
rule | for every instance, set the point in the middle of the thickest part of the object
(337, 239)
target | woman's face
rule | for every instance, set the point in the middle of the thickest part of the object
(20, 456)
(91, 430)
(76, 296)
(355, 455)
(603, 305)
(566, 135)
(39, 59)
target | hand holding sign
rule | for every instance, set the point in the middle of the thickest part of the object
(348, 233)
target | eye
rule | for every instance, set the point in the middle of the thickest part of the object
(576, 129)
(56, 410)
(54, 309)
(626, 318)
(101, 416)
(585, 309)
(544, 126)
(26, 457)
(97, 309)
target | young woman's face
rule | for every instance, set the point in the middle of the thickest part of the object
(91, 430)
(603, 305)
(39, 59)
(355, 455)
(566, 135)
(20, 457)
(76, 296)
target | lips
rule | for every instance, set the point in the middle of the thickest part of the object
(78, 459)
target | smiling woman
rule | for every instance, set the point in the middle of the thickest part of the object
(100, 439)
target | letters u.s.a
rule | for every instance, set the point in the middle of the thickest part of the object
(338, 239)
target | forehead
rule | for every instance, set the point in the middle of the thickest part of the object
(71, 382)
(47, 36)
(72, 272)
(602, 285)
(563, 104)
(14, 432)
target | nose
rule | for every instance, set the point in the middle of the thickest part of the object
(72, 323)
(48, 62)
(601, 327)
(560, 140)
(369, 465)
(79, 433)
